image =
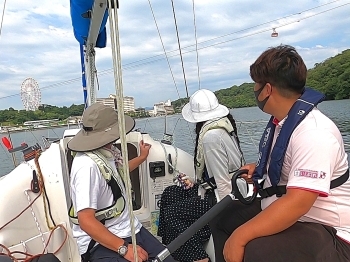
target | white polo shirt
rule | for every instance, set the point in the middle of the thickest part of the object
(89, 189)
(315, 156)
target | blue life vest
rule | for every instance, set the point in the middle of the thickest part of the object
(308, 100)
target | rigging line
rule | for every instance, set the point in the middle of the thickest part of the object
(240, 37)
(167, 59)
(195, 36)
(2, 17)
(118, 82)
(178, 42)
(129, 66)
(268, 22)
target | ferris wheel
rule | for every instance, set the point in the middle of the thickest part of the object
(30, 94)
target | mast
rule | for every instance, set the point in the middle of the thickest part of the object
(96, 15)
(83, 76)
(95, 36)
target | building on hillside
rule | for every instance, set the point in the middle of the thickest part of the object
(129, 102)
(141, 112)
(163, 108)
(106, 101)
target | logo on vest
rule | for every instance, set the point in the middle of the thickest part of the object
(301, 112)
(310, 173)
(259, 158)
(266, 137)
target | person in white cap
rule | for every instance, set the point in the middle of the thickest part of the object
(99, 213)
(217, 155)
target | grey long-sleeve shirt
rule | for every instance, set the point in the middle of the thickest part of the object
(222, 157)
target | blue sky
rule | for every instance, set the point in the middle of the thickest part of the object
(37, 41)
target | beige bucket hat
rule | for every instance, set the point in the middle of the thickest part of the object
(203, 106)
(100, 127)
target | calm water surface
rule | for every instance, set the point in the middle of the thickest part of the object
(250, 121)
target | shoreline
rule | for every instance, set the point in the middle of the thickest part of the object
(23, 129)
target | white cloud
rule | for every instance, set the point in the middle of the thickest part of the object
(37, 41)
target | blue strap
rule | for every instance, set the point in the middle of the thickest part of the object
(264, 151)
(308, 100)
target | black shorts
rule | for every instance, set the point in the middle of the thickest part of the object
(302, 242)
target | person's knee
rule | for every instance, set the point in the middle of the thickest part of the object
(252, 250)
(265, 249)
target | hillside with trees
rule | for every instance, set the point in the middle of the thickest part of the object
(13, 117)
(331, 77)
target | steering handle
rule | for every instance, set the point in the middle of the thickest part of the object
(235, 190)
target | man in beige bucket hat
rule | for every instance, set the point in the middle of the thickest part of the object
(99, 213)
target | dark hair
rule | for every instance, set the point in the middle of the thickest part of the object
(200, 125)
(282, 67)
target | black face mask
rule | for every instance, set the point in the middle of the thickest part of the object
(260, 104)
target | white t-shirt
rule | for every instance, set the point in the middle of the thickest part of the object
(222, 157)
(89, 189)
(315, 156)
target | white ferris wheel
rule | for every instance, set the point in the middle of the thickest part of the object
(30, 94)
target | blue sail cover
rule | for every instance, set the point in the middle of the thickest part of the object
(79, 10)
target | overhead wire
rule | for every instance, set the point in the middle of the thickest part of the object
(2, 17)
(131, 65)
(195, 37)
(239, 31)
(180, 51)
(161, 40)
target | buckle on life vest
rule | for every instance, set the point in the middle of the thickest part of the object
(209, 184)
(104, 214)
(270, 191)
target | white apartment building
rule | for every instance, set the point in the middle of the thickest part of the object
(106, 101)
(129, 102)
(163, 108)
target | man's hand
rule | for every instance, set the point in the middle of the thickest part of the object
(144, 149)
(141, 253)
(233, 249)
(251, 169)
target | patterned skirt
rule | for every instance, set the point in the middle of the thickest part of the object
(179, 209)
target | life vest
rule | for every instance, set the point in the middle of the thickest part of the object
(203, 179)
(100, 156)
(303, 106)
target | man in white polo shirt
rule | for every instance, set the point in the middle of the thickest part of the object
(100, 216)
(304, 210)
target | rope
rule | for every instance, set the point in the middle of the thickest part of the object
(166, 157)
(115, 46)
(165, 53)
(2, 17)
(92, 68)
(178, 42)
(42, 192)
(195, 36)
(29, 257)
